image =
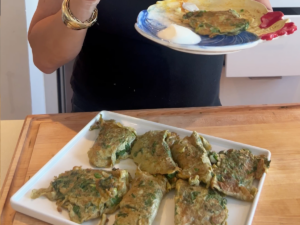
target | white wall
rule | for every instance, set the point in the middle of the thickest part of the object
(51, 98)
(36, 76)
(15, 79)
(23, 87)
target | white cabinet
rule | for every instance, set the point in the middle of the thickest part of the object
(285, 3)
(279, 57)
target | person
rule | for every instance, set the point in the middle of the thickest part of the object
(115, 67)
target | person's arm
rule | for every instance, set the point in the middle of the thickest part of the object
(267, 4)
(52, 43)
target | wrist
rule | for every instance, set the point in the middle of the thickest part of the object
(79, 22)
(83, 9)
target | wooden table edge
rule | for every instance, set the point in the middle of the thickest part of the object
(208, 109)
(14, 163)
(189, 110)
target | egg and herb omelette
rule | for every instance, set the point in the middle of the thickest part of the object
(112, 145)
(141, 203)
(199, 205)
(235, 171)
(87, 193)
(152, 153)
(213, 23)
(200, 177)
(191, 155)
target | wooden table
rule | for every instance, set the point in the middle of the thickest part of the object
(274, 127)
(9, 132)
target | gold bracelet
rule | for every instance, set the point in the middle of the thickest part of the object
(72, 22)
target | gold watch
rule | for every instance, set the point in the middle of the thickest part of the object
(72, 22)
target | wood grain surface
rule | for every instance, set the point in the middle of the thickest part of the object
(274, 127)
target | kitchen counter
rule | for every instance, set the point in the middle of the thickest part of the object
(273, 127)
(10, 132)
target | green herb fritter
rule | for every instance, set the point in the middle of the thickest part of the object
(235, 171)
(113, 143)
(215, 23)
(197, 205)
(87, 193)
(141, 203)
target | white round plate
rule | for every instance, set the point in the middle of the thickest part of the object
(218, 45)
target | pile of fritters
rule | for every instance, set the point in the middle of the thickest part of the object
(200, 177)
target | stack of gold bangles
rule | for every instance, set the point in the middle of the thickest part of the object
(72, 22)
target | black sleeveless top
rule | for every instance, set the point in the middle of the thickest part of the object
(119, 69)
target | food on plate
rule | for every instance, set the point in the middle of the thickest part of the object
(172, 138)
(213, 23)
(191, 7)
(235, 171)
(179, 35)
(200, 176)
(199, 205)
(169, 12)
(141, 203)
(151, 152)
(113, 143)
(87, 193)
(191, 155)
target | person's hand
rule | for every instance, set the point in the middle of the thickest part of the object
(267, 4)
(83, 9)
